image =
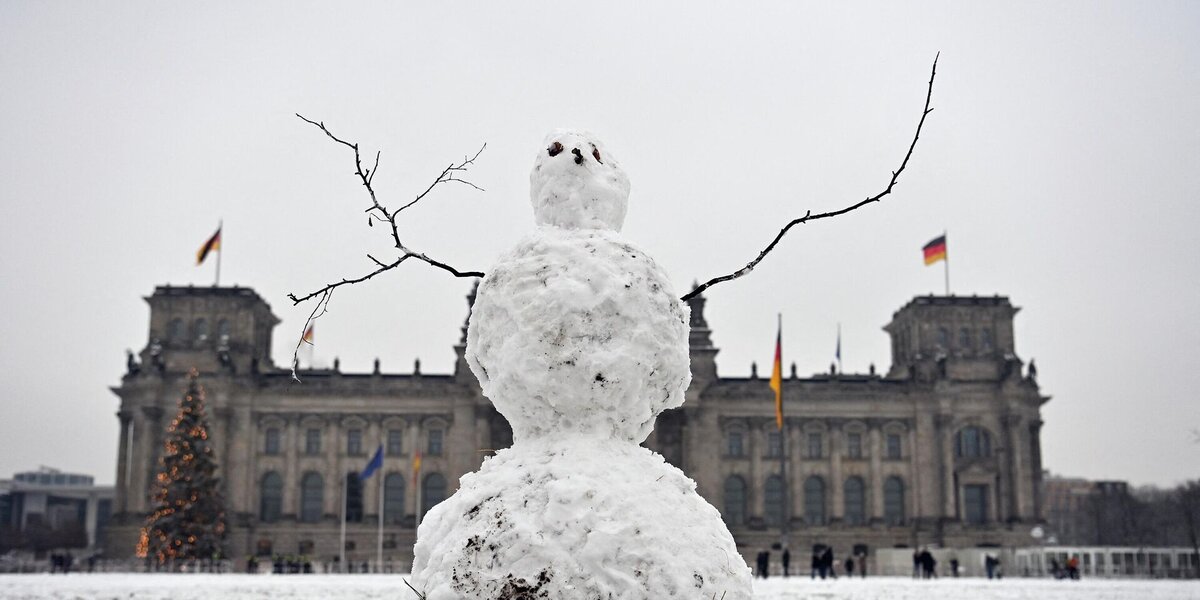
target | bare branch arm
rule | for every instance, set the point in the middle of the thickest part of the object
(378, 211)
(808, 216)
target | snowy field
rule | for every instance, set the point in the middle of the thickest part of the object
(320, 587)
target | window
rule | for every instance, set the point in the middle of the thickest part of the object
(263, 548)
(775, 444)
(855, 501)
(774, 500)
(943, 338)
(975, 504)
(973, 442)
(312, 441)
(433, 491)
(894, 449)
(893, 501)
(354, 442)
(223, 329)
(985, 339)
(200, 330)
(175, 330)
(964, 338)
(815, 444)
(814, 501)
(354, 498)
(271, 445)
(735, 501)
(270, 493)
(735, 443)
(435, 442)
(395, 442)
(854, 445)
(393, 498)
(312, 497)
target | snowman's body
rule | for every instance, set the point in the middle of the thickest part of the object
(580, 341)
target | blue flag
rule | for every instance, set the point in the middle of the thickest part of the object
(374, 465)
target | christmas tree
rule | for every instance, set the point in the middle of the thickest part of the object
(188, 522)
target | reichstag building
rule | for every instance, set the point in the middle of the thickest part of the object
(941, 449)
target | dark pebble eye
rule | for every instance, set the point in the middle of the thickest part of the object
(555, 149)
(596, 154)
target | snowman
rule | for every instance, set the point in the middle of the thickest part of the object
(579, 340)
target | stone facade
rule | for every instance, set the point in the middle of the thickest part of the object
(943, 449)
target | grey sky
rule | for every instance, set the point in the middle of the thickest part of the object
(1063, 156)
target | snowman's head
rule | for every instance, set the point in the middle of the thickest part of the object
(576, 183)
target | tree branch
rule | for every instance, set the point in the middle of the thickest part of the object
(377, 211)
(808, 216)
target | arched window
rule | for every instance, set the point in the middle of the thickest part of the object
(814, 501)
(735, 443)
(735, 501)
(200, 330)
(312, 497)
(175, 330)
(354, 498)
(270, 494)
(393, 498)
(773, 500)
(433, 491)
(973, 442)
(944, 338)
(223, 328)
(893, 501)
(985, 339)
(854, 495)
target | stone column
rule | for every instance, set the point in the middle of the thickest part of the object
(335, 478)
(1016, 471)
(876, 489)
(414, 445)
(795, 483)
(754, 487)
(146, 469)
(123, 451)
(836, 500)
(91, 517)
(1035, 467)
(292, 438)
(946, 443)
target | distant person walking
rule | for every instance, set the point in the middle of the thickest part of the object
(849, 566)
(787, 559)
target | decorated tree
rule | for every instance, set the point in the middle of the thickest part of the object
(188, 522)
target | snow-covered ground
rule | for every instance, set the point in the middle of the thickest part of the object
(359, 587)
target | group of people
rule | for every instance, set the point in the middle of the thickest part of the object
(925, 565)
(762, 563)
(63, 562)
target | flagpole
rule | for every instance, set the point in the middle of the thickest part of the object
(220, 251)
(947, 261)
(342, 548)
(783, 443)
(379, 540)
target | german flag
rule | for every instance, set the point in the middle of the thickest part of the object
(935, 250)
(308, 334)
(213, 243)
(777, 376)
(416, 467)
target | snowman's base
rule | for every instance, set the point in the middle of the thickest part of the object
(578, 519)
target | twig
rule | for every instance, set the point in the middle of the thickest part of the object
(808, 216)
(419, 594)
(377, 211)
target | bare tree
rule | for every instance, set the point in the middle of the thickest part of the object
(453, 174)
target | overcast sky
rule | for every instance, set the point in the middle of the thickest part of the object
(1063, 158)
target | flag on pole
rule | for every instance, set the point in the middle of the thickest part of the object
(213, 243)
(308, 334)
(935, 250)
(375, 464)
(416, 466)
(838, 352)
(777, 376)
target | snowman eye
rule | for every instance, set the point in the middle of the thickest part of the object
(596, 154)
(555, 149)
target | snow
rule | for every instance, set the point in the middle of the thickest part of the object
(366, 587)
(580, 341)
